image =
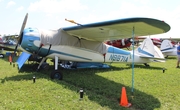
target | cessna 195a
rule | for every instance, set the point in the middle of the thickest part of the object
(85, 43)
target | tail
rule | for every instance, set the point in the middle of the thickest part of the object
(168, 49)
(167, 46)
(148, 50)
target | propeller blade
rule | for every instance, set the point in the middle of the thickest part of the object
(22, 27)
(20, 33)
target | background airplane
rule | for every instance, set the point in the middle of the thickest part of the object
(127, 42)
(167, 45)
(168, 48)
(85, 43)
(121, 43)
(7, 43)
(156, 41)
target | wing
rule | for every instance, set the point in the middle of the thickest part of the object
(117, 29)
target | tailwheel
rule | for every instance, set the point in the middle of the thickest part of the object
(147, 65)
(56, 74)
(166, 56)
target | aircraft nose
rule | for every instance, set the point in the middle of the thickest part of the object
(28, 37)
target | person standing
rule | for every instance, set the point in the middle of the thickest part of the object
(178, 55)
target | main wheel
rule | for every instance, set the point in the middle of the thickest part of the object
(56, 74)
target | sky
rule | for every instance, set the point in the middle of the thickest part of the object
(51, 14)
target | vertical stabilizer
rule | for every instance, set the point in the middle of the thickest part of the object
(146, 48)
(166, 45)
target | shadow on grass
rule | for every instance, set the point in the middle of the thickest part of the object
(98, 89)
(171, 57)
(145, 67)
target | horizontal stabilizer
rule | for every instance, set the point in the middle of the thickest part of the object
(153, 58)
(22, 59)
(166, 46)
(168, 50)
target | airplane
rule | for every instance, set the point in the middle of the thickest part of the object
(168, 48)
(9, 39)
(121, 43)
(127, 42)
(8, 45)
(85, 43)
(156, 41)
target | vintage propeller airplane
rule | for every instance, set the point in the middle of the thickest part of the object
(168, 48)
(126, 43)
(8, 45)
(156, 41)
(85, 43)
(121, 43)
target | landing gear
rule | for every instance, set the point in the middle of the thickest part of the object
(147, 65)
(56, 74)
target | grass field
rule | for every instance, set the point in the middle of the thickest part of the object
(153, 89)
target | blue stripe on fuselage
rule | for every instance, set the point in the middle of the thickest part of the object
(117, 51)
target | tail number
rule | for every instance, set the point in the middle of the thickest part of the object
(119, 58)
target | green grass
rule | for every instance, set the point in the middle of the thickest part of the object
(153, 89)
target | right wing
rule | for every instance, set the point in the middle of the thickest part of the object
(117, 29)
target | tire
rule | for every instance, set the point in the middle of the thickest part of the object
(1, 55)
(56, 74)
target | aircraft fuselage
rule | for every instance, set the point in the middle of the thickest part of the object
(71, 48)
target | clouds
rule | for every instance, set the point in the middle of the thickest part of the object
(20, 8)
(55, 6)
(10, 4)
(51, 13)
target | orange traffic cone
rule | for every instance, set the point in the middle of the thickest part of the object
(10, 59)
(124, 101)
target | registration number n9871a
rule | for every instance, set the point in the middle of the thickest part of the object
(120, 58)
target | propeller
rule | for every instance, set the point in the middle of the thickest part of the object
(21, 32)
